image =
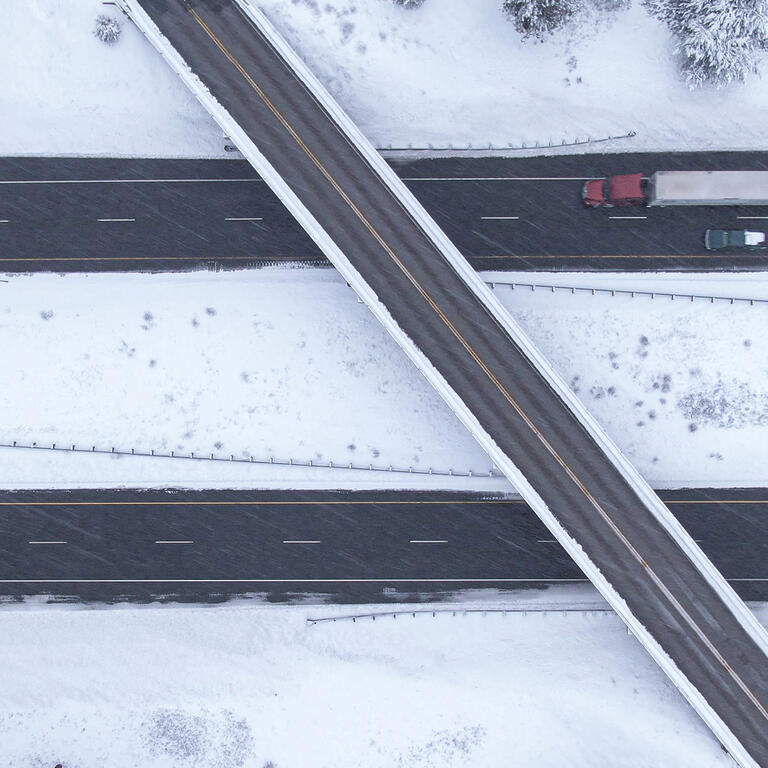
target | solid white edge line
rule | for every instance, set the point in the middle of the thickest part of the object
(174, 541)
(208, 181)
(243, 218)
(428, 541)
(308, 581)
(115, 181)
(115, 219)
(335, 255)
(633, 218)
(281, 581)
(752, 217)
(46, 542)
(302, 541)
(499, 218)
(497, 178)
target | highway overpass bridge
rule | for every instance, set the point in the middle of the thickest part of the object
(450, 325)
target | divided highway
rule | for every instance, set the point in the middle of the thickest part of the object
(522, 214)
(105, 544)
(687, 618)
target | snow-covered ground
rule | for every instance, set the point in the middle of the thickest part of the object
(450, 72)
(238, 686)
(286, 363)
(275, 362)
(681, 387)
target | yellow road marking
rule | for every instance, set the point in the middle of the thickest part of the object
(602, 256)
(724, 501)
(43, 259)
(240, 503)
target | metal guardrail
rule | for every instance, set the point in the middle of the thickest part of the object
(232, 459)
(573, 289)
(570, 608)
(507, 147)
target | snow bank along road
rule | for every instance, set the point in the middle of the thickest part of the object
(96, 213)
(102, 544)
(386, 246)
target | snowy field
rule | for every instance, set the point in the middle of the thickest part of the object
(238, 686)
(450, 72)
(286, 363)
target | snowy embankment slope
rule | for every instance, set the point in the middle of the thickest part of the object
(448, 72)
(114, 686)
(286, 363)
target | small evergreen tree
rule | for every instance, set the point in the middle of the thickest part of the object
(718, 41)
(409, 3)
(107, 29)
(536, 18)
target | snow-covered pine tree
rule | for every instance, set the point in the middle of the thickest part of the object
(409, 3)
(536, 18)
(107, 29)
(718, 41)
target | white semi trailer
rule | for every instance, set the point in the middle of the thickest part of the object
(679, 188)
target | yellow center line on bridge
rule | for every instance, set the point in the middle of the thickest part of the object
(484, 367)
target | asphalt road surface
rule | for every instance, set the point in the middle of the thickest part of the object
(522, 214)
(665, 592)
(362, 546)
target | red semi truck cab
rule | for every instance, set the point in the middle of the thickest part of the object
(614, 191)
